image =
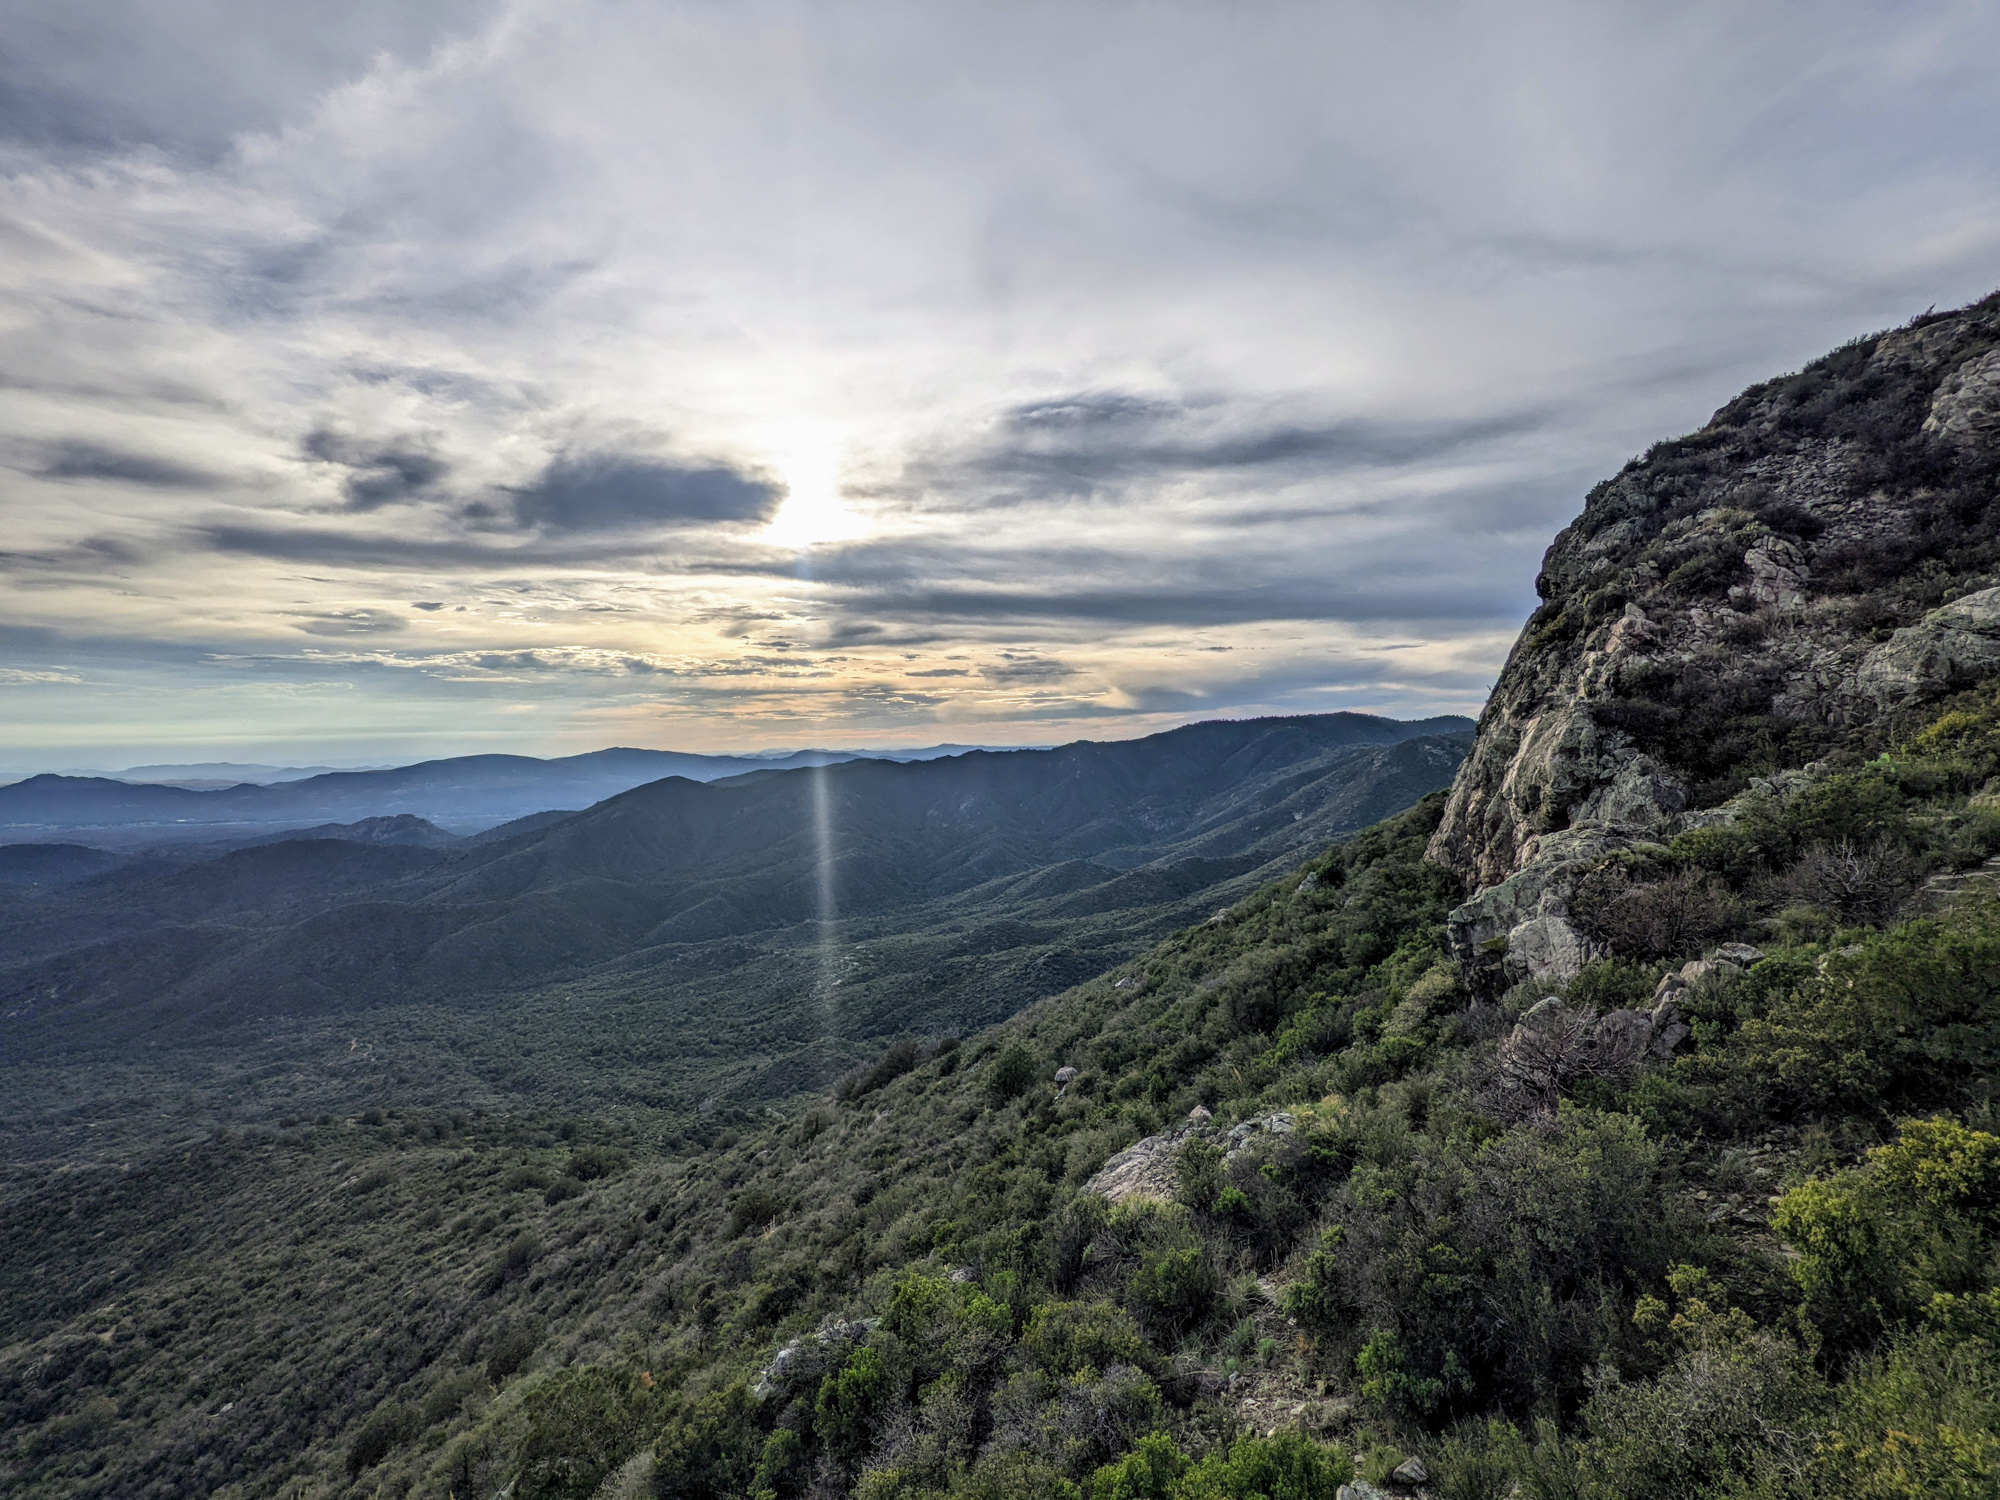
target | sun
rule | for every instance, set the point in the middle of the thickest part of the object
(808, 461)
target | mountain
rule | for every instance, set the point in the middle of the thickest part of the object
(957, 890)
(1617, 1125)
(467, 792)
(222, 773)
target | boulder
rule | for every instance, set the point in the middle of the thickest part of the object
(1952, 647)
(1411, 1471)
(1144, 1170)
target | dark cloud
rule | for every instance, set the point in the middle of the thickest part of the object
(1445, 598)
(619, 493)
(327, 546)
(1013, 668)
(378, 473)
(1081, 442)
(86, 460)
(90, 555)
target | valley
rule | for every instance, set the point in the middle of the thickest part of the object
(679, 947)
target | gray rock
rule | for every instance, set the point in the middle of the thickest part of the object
(1144, 1170)
(1966, 408)
(1360, 1489)
(1744, 954)
(1952, 647)
(1778, 574)
(1411, 1471)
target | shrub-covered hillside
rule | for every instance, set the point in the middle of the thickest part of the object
(1762, 1258)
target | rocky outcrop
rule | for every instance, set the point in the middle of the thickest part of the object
(1966, 408)
(1151, 1167)
(1819, 560)
(1950, 648)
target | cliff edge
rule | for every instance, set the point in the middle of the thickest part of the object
(1789, 584)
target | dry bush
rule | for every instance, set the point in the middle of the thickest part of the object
(1653, 919)
(1554, 1048)
(1865, 883)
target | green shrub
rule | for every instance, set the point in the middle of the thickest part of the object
(711, 1450)
(514, 1346)
(1174, 1288)
(582, 1424)
(390, 1425)
(593, 1163)
(1010, 1074)
(852, 1402)
(1920, 1422)
(1066, 1338)
(754, 1208)
(1287, 1466)
(1149, 1472)
(1877, 1245)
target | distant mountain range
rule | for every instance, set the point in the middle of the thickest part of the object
(993, 876)
(465, 793)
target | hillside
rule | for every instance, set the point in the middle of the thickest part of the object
(1620, 1125)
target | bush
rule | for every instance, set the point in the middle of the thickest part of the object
(1877, 1246)
(512, 1348)
(582, 1424)
(1065, 1338)
(1011, 1073)
(388, 1427)
(1921, 1421)
(1865, 883)
(754, 1208)
(851, 1403)
(1174, 1288)
(1654, 919)
(1284, 1467)
(1904, 1020)
(901, 1057)
(593, 1163)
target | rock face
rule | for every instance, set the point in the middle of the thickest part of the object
(1798, 578)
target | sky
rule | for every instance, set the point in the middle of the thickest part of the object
(388, 378)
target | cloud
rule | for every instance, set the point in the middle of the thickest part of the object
(77, 459)
(1096, 438)
(1014, 667)
(379, 473)
(353, 622)
(607, 492)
